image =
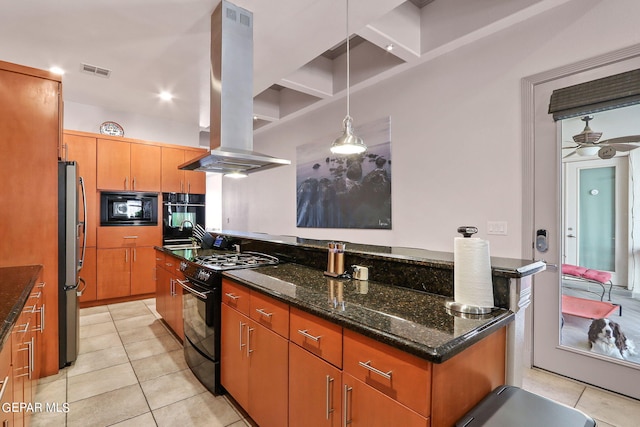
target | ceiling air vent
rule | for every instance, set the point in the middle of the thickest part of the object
(98, 71)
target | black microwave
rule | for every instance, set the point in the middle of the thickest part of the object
(128, 208)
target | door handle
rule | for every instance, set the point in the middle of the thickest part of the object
(550, 267)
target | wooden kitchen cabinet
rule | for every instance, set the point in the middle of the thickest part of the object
(315, 390)
(113, 273)
(168, 292)
(401, 376)
(340, 377)
(368, 407)
(254, 360)
(123, 272)
(175, 180)
(82, 149)
(23, 361)
(31, 142)
(125, 261)
(142, 271)
(128, 166)
(234, 359)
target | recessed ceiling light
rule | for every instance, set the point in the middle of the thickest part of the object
(166, 96)
(57, 70)
(389, 47)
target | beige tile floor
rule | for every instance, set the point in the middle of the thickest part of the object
(131, 372)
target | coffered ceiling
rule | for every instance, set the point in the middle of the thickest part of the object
(149, 46)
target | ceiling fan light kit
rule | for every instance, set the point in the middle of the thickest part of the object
(348, 142)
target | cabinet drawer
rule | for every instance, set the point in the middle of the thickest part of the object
(270, 313)
(117, 237)
(399, 375)
(160, 259)
(319, 336)
(236, 296)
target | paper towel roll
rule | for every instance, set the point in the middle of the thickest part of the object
(472, 283)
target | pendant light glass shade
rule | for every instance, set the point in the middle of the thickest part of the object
(348, 143)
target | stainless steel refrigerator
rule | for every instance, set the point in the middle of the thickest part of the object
(71, 249)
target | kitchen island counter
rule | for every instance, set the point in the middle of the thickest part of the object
(412, 321)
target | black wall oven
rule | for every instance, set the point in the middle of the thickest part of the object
(128, 208)
(180, 213)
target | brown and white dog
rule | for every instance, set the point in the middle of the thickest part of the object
(606, 337)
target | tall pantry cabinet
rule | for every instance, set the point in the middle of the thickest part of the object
(30, 138)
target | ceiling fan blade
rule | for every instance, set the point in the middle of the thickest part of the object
(621, 140)
(570, 154)
(625, 147)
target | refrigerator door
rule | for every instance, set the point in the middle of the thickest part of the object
(69, 248)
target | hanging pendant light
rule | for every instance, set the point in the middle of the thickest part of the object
(348, 143)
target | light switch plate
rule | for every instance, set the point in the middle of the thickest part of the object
(498, 228)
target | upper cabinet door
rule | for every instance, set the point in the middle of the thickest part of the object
(82, 149)
(114, 165)
(172, 177)
(145, 167)
(195, 181)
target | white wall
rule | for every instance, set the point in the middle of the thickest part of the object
(87, 118)
(455, 132)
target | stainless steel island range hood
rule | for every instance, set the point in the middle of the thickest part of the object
(231, 126)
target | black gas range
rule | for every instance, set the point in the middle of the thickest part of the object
(203, 268)
(202, 299)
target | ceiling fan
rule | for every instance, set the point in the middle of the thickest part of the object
(589, 144)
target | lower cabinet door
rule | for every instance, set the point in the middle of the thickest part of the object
(143, 262)
(234, 362)
(114, 273)
(314, 390)
(367, 407)
(268, 376)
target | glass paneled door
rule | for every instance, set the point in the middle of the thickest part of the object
(561, 339)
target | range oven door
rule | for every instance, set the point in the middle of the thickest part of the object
(201, 312)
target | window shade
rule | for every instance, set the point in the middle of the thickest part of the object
(607, 93)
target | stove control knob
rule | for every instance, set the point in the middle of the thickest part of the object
(203, 275)
(183, 265)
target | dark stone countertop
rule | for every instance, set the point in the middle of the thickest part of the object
(411, 320)
(16, 284)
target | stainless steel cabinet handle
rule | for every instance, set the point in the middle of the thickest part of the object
(367, 365)
(26, 328)
(4, 387)
(42, 317)
(328, 400)
(264, 313)
(126, 256)
(36, 295)
(31, 351)
(249, 351)
(304, 333)
(232, 296)
(135, 255)
(40, 285)
(242, 325)
(345, 418)
(129, 237)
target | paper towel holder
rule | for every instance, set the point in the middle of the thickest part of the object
(467, 231)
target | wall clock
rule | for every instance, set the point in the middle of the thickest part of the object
(111, 128)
